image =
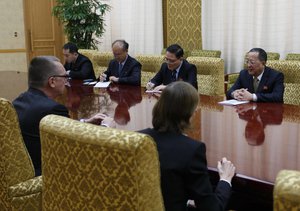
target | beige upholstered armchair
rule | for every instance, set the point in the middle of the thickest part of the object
(89, 167)
(206, 53)
(230, 80)
(150, 66)
(101, 61)
(19, 189)
(287, 191)
(291, 71)
(87, 52)
(210, 75)
(293, 56)
(273, 56)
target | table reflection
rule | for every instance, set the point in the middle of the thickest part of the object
(258, 116)
(260, 138)
(125, 97)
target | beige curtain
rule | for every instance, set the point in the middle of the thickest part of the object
(139, 22)
(236, 26)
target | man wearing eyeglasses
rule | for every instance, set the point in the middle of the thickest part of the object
(175, 68)
(46, 80)
(258, 82)
(77, 65)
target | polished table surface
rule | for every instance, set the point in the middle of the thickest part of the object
(259, 138)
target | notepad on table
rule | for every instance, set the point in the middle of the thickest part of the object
(232, 102)
(153, 91)
(102, 84)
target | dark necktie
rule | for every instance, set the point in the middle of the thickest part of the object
(120, 68)
(173, 77)
(255, 83)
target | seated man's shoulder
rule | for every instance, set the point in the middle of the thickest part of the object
(133, 61)
(82, 58)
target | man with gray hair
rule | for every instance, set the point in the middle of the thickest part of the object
(123, 69)
(46, 80)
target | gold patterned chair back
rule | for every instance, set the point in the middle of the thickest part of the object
(150, 66)
(286, 191)
(206, 53)
(15, 163)
(87, 52)
(291, 71)
(210, 75)
(293, 56)
(89, 167)
(101, 61)
(273, 56)
(230, 79)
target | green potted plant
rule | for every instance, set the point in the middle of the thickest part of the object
(82, 19)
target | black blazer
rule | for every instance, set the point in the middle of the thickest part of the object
(81, 69)
(187, 73)
(270, 88)
(184, 173)
(31, 107)
(130, 74)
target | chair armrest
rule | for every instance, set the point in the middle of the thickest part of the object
(287, 190)
(28, 187)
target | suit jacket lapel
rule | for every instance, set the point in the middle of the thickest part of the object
(250, 82)
(125, 67)
(181, 70)
(263, 80)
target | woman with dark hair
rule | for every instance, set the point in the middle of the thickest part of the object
(184, 174)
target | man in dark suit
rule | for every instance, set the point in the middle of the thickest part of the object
(258, 82)
(46, 79)
(123, 69)
(174, 69)
(77, 65)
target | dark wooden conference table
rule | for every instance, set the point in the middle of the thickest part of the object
(259, 138)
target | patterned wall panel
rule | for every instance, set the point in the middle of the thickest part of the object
(182, 23)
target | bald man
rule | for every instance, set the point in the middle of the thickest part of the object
(123, 69)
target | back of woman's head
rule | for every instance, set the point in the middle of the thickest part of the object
(175, 107)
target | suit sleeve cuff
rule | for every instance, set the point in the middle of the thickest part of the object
(226, 181)
(254, 97)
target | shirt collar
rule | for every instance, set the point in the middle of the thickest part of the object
(178, 68)
(260, 76)
(124, 60)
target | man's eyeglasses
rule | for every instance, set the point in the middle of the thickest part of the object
(251, 62)
(67, 78)
(170, 61)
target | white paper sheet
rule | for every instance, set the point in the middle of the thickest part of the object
(102, 84)
(232, 102)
